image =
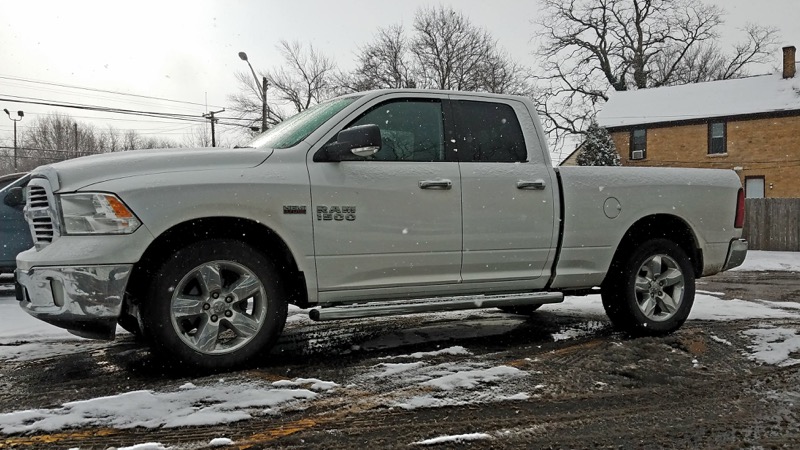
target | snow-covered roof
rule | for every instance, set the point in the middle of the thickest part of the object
(751, 95)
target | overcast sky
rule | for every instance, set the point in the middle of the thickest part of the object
(187, 50)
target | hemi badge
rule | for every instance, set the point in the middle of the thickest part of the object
(292, 209)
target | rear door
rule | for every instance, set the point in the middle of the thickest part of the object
(507, 192)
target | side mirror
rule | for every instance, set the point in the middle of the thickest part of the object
(363, 140)
(14, 197)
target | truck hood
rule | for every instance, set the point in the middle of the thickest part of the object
(79, 173)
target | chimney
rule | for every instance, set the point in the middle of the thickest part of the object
(789, 67)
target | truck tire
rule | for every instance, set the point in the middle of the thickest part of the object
(651, 291)
(526, 310)
(214, 305)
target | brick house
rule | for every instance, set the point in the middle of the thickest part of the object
(750, 125)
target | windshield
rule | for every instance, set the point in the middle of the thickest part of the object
(296, 128)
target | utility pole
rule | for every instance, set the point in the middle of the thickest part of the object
(262, 89)
(264, 104)
(21, 115)
(210, 116)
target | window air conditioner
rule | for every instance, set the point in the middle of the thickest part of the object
(637, 154)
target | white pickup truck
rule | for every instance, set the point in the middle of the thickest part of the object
(377, 203)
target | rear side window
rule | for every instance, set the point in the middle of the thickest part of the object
(488, 132)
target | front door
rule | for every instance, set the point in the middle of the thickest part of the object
(392, 219)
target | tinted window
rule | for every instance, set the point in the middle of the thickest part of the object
(411, 130)
(488, 132)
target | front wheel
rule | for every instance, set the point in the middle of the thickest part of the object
(215, 304)
(651, 291)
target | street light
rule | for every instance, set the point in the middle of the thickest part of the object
(21, 115)
(262, 89)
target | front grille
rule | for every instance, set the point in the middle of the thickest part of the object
(43, 229)
(40, 213)
(37, 196)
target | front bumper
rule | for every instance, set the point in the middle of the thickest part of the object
(86, 300)
(737, 252)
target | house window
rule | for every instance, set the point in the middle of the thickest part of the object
(717, 138)
(754, 187)
(639, 143)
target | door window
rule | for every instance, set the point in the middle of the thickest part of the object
(488, 132)
(411, 130)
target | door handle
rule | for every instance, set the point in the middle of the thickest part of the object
(436, 184)
(537, 185)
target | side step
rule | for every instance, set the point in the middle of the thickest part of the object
(432, 305)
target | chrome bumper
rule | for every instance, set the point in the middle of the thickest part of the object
(737, 251)
(86, 300)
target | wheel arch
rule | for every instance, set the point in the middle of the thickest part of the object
(665, 226)
(257, 235)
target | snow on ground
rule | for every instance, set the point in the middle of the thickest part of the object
(23, 338)
(146, 446)
(188, 405)
(455, 439)
(774, 345)
(758, 261)
(706, 307)
(18, 326)
(455, 350)
(220, 442)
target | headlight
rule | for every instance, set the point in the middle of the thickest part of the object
(96, 213)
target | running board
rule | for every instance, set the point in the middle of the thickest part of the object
(432, 305)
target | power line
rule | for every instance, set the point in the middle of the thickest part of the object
(155, 114)
(39, 101)
(26, 80)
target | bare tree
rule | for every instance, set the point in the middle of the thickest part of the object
(588, 47)
(305, 78)
(384, 63)
(449, 50)
(200, 136)
(445, 51)
(246, 104)
(56, 137)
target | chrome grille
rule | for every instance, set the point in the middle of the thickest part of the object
(40, 212)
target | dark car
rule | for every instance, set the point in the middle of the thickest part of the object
(15, 236)
(5, 180)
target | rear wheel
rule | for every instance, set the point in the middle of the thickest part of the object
(216, 304)
(651, 291)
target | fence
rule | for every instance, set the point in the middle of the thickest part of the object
(773, 224)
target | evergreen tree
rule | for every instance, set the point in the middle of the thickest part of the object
(598, 149)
